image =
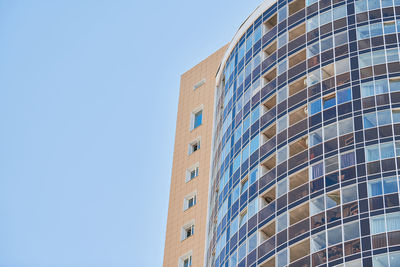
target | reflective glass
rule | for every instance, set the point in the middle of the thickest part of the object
(316, 137)
(282, 259)
(394, 85)
(389, 27)
(349, 194)
(282, 155)
(317, 205)
(363, 32)
(390, 184)
(325, 17)
(313, 50)
(373, 4)
(315, 107)
(281, 222)
(334, 236)
(392, 55)
(365, 60)
(372, 153)
(312, 23)
(378, 57)
(384, 117)
(345, 126)
(370, 120)
(376, 29)
(377, 224)
(340, 12)
(375, 188)
(351, 231)
(318, 242)
(381, 86)
(344, 96)
(387, 150)
(330, 131)
(361, 6)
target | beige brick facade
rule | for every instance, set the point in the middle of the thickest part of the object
(190, 100)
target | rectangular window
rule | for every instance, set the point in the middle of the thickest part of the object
(365, 60)
(370, 120)
(375, 188)
(187, 231)
(367, 89)
(329, 101)
(387, 150)
(316, 138)
(394, 84)
(372, 153)
(189, 201)
(244, 185)
(351, 231)
(199, 84)
(192, 172)
(315, 107)
(396, 116)
(317, 170)
(347, 160)
(381, 87)
(377, 224)
(384, 117)
(194, 146)
(243, 218)
(187, 262)
(331, 164)
(344, 96)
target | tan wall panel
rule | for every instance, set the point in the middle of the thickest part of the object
(189, 100)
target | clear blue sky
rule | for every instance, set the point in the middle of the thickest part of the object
(88, 102)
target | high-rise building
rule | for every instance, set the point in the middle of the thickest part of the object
(187, 212)
(305, 154)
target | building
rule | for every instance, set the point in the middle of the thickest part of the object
(305, 153)
(187, 212)
(307, 134)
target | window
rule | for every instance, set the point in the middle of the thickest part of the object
(253, 175)
(351, 231)
(318, 242)
(367, 89)
(282, 124)
(375, 188)
(316, 137)
(185, 261)
(344, 96)
(244, 184)
(387, 150)
(243, 218)
(252, 242)
(192, 172)
(282, 155)
(384, 117)
(329, 101)
(347, 160)
(377, 224)
(372, 153)
(315, 107)
(199, 84)
(255, 142)
(187, 231)
(197, 119)
(253, 208)
(394, 85)
(194, 146)
(317, 205)
(346, 126)
(189, 201)
(392, 55)
(282, 222)
(317, 170)
(330, 131)
(390, 185)
(234, 226)
(396, 116)
(282, 187)
(334, 236)
(370, 120)
(349, 194)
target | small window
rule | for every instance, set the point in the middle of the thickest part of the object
(190, 201)
(394, 84)
(194, 146)
(198, 119)
(187, 231)
(187, 262)
(199, 84)
(192, 173)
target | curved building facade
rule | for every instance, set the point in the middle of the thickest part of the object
(306, 140)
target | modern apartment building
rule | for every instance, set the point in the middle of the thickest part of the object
(187, 212)
(305, 152)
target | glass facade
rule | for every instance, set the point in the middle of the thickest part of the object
(306, 149)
